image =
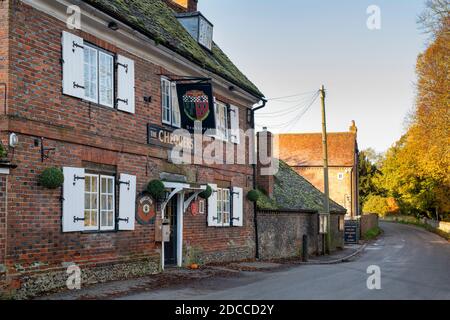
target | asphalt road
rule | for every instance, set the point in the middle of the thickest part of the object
(414, 264)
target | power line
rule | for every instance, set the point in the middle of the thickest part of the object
(298, 116)
(286, 110)
(291, 96)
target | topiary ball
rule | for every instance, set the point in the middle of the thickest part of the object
(51, 178)
(253, 195)
(156, 189)
(207, 193)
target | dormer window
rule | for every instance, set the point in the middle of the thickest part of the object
(198, 27)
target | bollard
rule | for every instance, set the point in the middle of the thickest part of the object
(305, 248)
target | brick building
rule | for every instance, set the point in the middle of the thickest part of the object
(289, 209)
(303, 152)
(99, 101)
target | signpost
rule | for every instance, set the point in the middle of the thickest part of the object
(351, 232)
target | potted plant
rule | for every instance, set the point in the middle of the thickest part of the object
(156, 189)
(51, 178)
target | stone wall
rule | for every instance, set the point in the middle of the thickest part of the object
(440, 225)
(280, 233)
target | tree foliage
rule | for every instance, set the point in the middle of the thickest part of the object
(416, 170)
(367, 169)
(381, 205)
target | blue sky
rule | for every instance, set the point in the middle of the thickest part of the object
(293, 46)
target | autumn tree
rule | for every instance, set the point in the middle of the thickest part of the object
(416, 170)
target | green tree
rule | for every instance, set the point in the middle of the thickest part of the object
(367, 169)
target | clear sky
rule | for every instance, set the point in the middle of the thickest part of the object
(293, 46)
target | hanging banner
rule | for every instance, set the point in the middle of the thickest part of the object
(145, 209)
(197, 104)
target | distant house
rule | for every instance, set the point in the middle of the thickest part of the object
(303, 152)
(288, 209)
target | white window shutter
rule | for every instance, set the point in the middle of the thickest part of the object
(73, 199)
(238, 207)
(212, 207)
(127, 202)
(73, 65)
(234, 122)
(125, 84)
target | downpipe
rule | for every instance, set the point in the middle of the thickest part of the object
(255, 159)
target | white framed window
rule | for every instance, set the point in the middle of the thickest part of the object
(106, 79)
(223, 206)
(169, 103)
(91, 202)
(340, 176)
(98, 76)
(221, 120)
(106, 203)
(90, 74)
(99, 203)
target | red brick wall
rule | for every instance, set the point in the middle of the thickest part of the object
(80, 131)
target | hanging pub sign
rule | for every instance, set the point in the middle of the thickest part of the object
(197, 104)
(145, 209)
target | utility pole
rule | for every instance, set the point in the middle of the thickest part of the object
(326, 200)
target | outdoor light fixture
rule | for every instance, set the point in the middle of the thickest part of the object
(113, 26)
(13, 140)
(231, 88)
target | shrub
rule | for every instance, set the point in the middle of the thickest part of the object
(156, 189)
(51, 178)
(207, 193)
(380, 205)
(372, 233)
(253, 195)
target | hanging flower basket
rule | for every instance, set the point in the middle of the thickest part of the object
(156, 189)
(253, 195)
(51, 178)
(207, 193)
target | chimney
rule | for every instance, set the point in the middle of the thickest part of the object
(265, 181)
(353, 128)
(183, 6)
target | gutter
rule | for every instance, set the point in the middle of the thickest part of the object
(255, 160)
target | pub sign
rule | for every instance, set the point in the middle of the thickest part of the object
(197, 105)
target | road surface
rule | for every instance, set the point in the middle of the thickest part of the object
(414, 264)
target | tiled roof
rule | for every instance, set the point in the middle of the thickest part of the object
(157, 20)
(305, 149)
(293, 192)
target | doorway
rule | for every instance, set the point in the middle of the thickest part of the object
(170, 247)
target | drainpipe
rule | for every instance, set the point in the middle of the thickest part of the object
(255, 159)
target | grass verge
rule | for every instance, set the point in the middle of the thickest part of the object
(372, 233)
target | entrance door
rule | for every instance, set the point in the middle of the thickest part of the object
(170, 248)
